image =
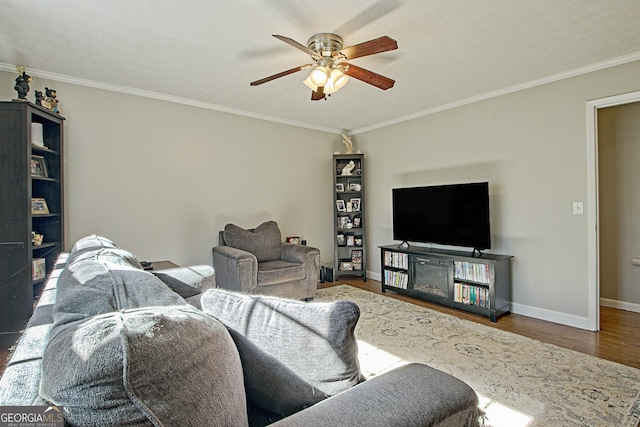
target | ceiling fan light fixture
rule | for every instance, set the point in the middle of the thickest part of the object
(330, 72)
(319, 76)
(337, 80)
(310, 84)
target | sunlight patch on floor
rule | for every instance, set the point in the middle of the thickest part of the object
(375, 361)
(499, 415)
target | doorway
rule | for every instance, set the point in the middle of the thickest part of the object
(593, 213)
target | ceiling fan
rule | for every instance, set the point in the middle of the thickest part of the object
(331, 71)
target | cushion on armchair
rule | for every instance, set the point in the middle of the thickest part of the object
(294, 354)
(263, 241)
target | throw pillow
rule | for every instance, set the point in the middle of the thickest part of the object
(298, 342)
(263, 241)
(102, 281)
(171, 365)
(90, 243)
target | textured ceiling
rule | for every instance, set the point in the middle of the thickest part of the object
(206, 52)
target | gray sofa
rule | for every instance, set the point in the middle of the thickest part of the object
(116, 345)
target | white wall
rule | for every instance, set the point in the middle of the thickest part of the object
(161, 179)
(531, 147)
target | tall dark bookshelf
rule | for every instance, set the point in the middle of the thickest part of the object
(31, 201)
(349, 221)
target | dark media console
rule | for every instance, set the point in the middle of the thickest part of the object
(478, 283)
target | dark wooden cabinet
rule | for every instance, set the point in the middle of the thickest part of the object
(480, 284)
(31, 208)
(350, 254)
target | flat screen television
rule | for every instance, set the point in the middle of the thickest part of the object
(456, 215)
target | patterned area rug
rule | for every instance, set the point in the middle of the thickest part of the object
(520, 381)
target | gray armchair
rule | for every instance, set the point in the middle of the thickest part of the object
(256, 261)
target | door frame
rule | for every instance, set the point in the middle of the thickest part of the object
(593, 235)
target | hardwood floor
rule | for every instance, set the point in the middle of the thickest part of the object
(618, 339)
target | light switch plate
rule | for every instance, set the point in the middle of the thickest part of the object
(578, 208)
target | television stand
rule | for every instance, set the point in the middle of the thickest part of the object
(479, 283)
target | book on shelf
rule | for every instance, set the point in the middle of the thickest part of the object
(38, 269)
(472, 271)
(396, 260)
(397, 279)
(466, 293)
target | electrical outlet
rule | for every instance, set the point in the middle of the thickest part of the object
(635, 261)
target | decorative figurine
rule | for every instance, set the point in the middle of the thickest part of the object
(346, 140)
(348, 168)
(40, 98)
(52, 98)
(22, 83)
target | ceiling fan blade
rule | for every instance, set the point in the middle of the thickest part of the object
(370, 77)
(318, 94)
(297, 45)
(281, 74)
(381, 44)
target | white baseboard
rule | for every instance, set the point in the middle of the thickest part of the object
(621, 305)
(374, 276)
(550, 316)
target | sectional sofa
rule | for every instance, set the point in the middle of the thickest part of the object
(112, 344)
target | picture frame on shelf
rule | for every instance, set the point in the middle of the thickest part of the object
(346, 266)
(340, 239)
(344, 222)
(356, 256)
(340, 187)
(293, 240)
(355, 186)
(39, 206)
(341, 205)
(39, 167)
(358, 242)
(38, 270)
(350, 240)
(355, 204)
(357, 221)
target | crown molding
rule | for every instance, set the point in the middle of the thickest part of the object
(163, 97)
(620, 60)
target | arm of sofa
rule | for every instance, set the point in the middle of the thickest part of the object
(412, 395)
(187, 281)
(235, 269)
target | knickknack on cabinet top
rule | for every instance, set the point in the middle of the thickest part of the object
(31, 209)
(349, 216)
